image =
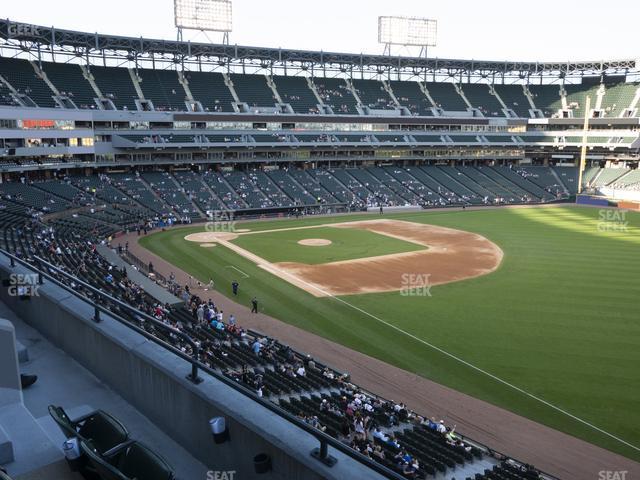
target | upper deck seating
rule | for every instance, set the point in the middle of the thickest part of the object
(70, 82)
(21, 75)
(446, 97)
(409, 94)
(210, 90)
(296, 92)
(163, 88)
(335, 93)
(116, 85)
(373, 94)
(481, 98)
(253, 90)
(514, 98)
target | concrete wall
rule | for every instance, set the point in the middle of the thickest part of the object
(153, 380)
(10, 391)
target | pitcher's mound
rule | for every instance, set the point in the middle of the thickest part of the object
(210, 237)
(315, 242)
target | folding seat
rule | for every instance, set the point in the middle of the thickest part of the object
(128, 461)
(4, 476)
(104, 431)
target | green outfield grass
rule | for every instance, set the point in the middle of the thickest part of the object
(346, 244)
(560, 318)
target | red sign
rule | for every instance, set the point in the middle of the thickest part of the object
(38, 123)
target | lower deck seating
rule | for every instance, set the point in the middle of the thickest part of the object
(297, 192)
(607, 176)
(220, 187)
(165, 187)
(313, 186)
(320, 396)
(196, 189)
(248, 190)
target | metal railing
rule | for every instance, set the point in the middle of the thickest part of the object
(143, 267)
(321, 453)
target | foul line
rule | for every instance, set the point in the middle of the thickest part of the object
(245, 275)
(458, 359)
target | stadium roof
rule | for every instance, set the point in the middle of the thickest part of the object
(32, 38)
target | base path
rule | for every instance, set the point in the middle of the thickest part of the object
(554, 452)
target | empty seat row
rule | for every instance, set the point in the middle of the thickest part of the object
(107, 451)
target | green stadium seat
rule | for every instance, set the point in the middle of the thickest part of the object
(129, 461)
(104, 431)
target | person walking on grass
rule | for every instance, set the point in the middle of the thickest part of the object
(234, 287)
(254, 305)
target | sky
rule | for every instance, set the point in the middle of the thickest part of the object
(543, 30)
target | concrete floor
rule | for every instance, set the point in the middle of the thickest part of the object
(63, 381)
(57, 471)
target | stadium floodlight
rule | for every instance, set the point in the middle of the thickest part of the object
(407, 31)
(204, 15)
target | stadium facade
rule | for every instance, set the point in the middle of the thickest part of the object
(73, 101)
(101, 133)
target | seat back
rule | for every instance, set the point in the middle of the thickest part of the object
(104, 431)
(64, 422)
(138, 462)
(104, 469)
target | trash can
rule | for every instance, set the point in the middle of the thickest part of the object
(219, 430)
(262, 463)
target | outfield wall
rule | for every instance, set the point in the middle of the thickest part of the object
(592, 200)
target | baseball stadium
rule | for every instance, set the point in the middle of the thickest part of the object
(233, 262)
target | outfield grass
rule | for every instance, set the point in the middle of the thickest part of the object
(560, 318)
(347, 244)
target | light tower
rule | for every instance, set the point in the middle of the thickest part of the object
(203, 15)
(407, 32)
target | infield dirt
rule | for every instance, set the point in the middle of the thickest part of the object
(449, 255)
